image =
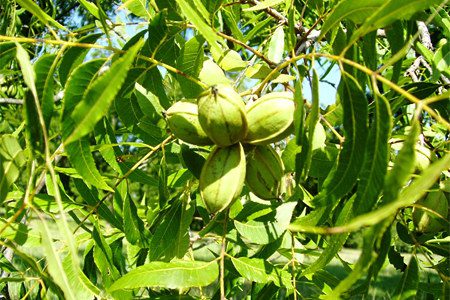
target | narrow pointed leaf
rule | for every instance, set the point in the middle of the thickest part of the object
(173, 275)
(44, 69)
(98, 97)
(77, 84)
(74, 56)
(390, 12)
(193, 14)
(354, 10)
(175, 224)
(80, 156)
(39, 13)
(407, 288)
(376, 160)
(345, 173)
(55, 265)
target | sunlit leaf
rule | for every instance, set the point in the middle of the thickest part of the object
(44, 69)
(98, 97)
(264, 232)
(12, 158)
(172, 275)
(41, 15)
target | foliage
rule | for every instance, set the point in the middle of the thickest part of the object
(99, 200)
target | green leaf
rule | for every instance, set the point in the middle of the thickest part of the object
(149, 103)
(34, 9)
(7, 53)
(403, 165)
(376, 160)
(335, 243)
(190, 62)
(55, 265)
(269, 229)
(91, 197)
(261, 271)
(408, 196)
(153, 83)
(128, 110)
(77, 84)
(132, 224)
(212, 74)
(80, 156)
(91, 7)
(264, 4)
(442, 59)
(44, 69)
(103, 257)
(79, 283)
(12, 159)
(276, 46)
(407, 288)
(98, 97)
(232, 61)
(390, 12)
(175, 223)
(345, 173)
(137, 7)
(74, 56)
(194, 15)
(29, 76)
(173, 275)
(313, 119)
(355, 10)
(394, 35)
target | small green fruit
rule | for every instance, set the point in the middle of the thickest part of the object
(264, 172)
(221, 113)
(270, 118)
(222, 177)
(182, 118)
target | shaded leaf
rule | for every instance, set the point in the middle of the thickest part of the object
(190, 62)
(173, 275)
(409, 283)
(175, 223)
(343, 176)
(77, 84)
(261, 271)
(133, 226)
(80, 156)
(74, 56)
(376, 159)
